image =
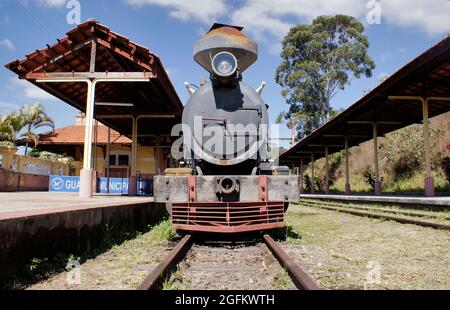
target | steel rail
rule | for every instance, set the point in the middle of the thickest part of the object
(397, 212)
(386, 216)
(154, 279)
(300, 278)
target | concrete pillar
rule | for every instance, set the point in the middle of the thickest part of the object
(312, 173)
(327, 172)
(301, 175)
(376, 163)
(87, 173)
(132, 186)
(347, 169)
(108, 163)
(429, 181)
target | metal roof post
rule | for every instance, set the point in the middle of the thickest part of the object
(132, 188)
(429, 182)
(301, 175)
(376, 162)
(347, 169)
(327, 172)
(312, 173)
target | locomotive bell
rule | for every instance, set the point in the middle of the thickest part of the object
(225, 50)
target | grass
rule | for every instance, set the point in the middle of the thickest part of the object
(287, 234)
(162, 232)
(357, 184)
(41, 268)
(414, 184)
(337, 248)
(306, 226)
(175, 282)
(281, 282)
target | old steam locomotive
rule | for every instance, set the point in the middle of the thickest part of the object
(229, 184)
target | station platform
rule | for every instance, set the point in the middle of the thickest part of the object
(42, 224)
(24, 204)
(437, 201)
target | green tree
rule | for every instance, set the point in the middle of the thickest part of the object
(32, 118)
(319, 60)
(6, 130)
(16, 122)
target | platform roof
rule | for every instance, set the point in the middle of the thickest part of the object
(114, 53)
(427, 75)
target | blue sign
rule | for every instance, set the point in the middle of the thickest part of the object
(116, 185)
(64, 184)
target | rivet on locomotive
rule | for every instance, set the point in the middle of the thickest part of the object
(229, 185)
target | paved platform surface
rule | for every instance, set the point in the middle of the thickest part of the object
(20, 204)
(394, 199)
(39, 224)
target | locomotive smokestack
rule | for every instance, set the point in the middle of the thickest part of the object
(221, 47)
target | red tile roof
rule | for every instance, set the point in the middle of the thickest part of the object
(74, 135)
(114, 53)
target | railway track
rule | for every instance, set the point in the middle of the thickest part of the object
(423, 214)
(400, 216)
(188, 244)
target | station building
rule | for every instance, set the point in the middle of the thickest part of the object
(113, 152)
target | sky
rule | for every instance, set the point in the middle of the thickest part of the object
(398, 31)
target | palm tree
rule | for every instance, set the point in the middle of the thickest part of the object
(28, 119)
(6, 130)
(16, 123)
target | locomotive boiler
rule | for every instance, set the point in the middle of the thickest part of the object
(229, 184)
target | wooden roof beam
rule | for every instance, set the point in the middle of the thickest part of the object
(77, 76)
(56, 58)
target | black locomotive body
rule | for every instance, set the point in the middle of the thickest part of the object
(229, 184)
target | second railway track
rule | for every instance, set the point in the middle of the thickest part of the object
(213, 261)
(400, 216)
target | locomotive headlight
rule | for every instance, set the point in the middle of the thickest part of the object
(224, 64)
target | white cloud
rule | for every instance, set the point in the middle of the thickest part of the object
(7, 43)
(276, 17)
(201, 10)
(30, 91)
(269, 21)
(382, 76)
(53, 3)
(429, 16)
